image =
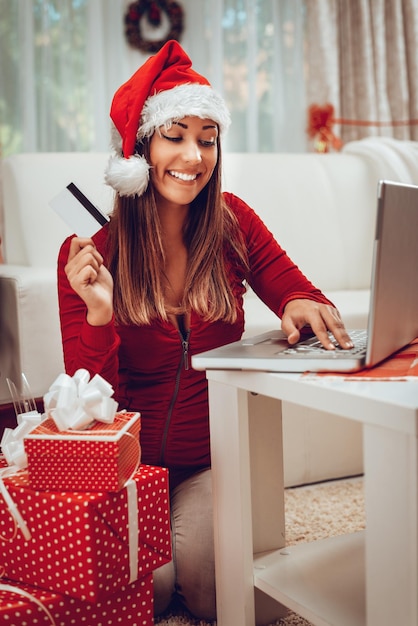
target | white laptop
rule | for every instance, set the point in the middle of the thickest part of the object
(393, 313)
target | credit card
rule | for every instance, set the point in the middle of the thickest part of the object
(81, 215)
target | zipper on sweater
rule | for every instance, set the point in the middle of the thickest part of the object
(185, 344)
(184, 363)
(184, 336)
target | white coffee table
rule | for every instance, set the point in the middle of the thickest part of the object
(364, 578)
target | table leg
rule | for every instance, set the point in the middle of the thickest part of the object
(267, 477)
(391, 475)
(234, 470)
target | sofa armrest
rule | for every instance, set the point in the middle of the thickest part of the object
(30, 336)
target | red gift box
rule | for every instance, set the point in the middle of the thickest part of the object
(100, 458)
(132, 605)
(87, 545)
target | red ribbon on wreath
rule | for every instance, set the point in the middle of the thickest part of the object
(154, 14)
(152, 11)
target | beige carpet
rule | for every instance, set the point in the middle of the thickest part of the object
(312, 512)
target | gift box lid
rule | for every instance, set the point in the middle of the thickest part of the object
(99, 431)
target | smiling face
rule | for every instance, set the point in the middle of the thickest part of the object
(182, 159)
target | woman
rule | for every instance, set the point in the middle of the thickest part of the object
(164, 280)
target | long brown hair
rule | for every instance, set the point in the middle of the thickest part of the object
(137, 260)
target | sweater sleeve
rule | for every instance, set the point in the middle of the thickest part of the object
(273, 276)
(94, 348)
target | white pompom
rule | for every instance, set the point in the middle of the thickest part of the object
(129, 177)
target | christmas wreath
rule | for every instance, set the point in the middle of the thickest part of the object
(152, 10)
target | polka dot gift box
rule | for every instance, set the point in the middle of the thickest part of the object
(26, 605)
(86, 545)
(100, 458)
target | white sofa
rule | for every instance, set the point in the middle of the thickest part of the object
(321, 208)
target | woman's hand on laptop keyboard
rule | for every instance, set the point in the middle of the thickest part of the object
(322, 318)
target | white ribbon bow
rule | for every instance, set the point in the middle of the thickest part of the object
(12, 440)
(13, 449)
(75, 402)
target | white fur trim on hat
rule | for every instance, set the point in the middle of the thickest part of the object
(129, 177)
(186, 100)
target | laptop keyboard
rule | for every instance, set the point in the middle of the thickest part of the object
(314, 346)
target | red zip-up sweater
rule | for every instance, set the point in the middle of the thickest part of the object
(149, 366)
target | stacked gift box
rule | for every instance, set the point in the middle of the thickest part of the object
(80, 545)
(25, 605)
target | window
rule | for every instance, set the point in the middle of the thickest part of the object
(62, 60)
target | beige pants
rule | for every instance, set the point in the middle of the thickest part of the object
(191, 574)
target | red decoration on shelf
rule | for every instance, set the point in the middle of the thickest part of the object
(320, 122)
(152, 11)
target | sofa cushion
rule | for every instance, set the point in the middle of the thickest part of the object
(33, 232)
(321, 208)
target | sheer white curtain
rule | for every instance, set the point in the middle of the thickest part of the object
(62, 60)
(252, 51)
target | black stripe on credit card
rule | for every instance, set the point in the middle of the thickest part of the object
(94, 211)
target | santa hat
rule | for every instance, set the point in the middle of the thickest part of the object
(164, 89)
